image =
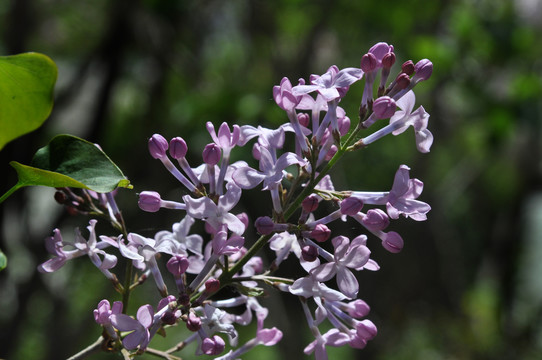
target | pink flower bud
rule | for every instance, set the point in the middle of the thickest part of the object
(402, 81)
(375, 220)
(320, 233)
(392, 242)
(158, 146)
(177, 265)
(264, 225)
(332, 151)
(213, 346)
(309, 253)
(177, 148)
(211, 154)
(193, 323)
(384, 107)
(303, 119)
(351, 206)
(149, 201)
(365, 329)
(212, 286)
(423, 69)
(388, 60)
(310, 203)
(368, 63)
(358, 309)
(408, 67)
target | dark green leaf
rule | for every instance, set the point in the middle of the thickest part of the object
(68, 161)
(26, 93)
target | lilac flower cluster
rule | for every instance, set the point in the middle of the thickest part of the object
(298, 182)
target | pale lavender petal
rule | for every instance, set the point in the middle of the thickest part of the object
(227, 201)
(325, 271)
(288, 159)
(356, 257)
(406, 102)
(347, 282)
(233, 223)
(269, 337)
(109, 261)
(52, 265)
(347, 77)
(124, 322)
(133, 340)
(144, 315)
(424, 140)
(247, 178)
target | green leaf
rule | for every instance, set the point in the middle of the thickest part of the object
(68, 161)
(26, 93)
(3, 261)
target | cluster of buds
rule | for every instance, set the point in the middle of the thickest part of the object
(298, 182)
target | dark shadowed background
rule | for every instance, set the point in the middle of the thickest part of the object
(467, 284)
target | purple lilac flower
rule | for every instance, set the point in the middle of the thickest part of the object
(217, 214)
(56, 246)
(103, 313)
(140, 335)
(346, 256)
(332, 84)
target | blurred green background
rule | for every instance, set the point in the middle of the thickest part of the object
(468, 284)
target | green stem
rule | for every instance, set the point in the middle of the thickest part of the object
(10, 191)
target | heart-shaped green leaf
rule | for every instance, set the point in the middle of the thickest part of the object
(26, 93)
(68, 161)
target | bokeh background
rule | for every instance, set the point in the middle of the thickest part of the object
(468, 284)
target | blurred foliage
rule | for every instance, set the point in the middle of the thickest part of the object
(128, 69)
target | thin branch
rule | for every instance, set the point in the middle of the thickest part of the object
(162, 354)
(93, 348)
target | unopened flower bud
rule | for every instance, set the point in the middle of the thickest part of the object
(303, 119)
(177, 148)
(331, 152)
(388, 60)
(368, 63)
(158, 146)
(213, 346)
(184, 299)
(169, 318)
(310, 203)
(376, 220)
(211, 154)
(61, 197)
(149, 201)
(384, 107)
(392, 241)
(264, 225)
(423, 69)
(212, 286)
(320, 233)
(358, 309)
(177, 265)
(351, 206)
(193, 323)
(402, 81)
(365, 329)
(309, 253)
(408, 67)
